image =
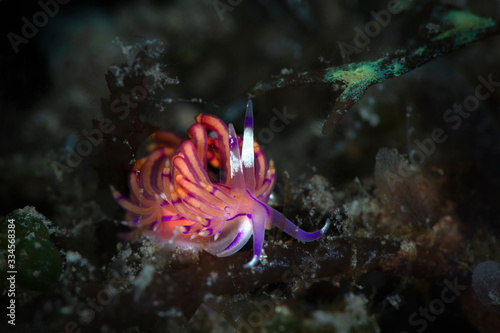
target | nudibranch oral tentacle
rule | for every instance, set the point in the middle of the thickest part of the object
(178, 200)
(248, 150)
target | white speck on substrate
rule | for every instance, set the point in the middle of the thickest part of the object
(170, 313)
(73, 256)
(212, 278)
(143, 279)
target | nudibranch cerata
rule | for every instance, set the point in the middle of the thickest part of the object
(178, 200)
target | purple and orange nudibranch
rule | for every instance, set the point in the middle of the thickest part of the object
(178, 200)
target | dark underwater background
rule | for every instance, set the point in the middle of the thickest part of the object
(414, 242)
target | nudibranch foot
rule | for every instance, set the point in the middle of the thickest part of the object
(175, 198)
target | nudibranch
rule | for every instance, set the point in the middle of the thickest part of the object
(177, 198)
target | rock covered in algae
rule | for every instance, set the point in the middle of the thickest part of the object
(35, 258)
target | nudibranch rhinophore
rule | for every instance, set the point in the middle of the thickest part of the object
(178, 200)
